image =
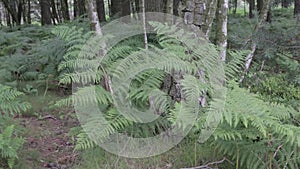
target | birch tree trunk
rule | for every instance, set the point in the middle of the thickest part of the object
(209, 17)
(1, 14)
(221, 32)
(95, 24)
(262, 19)
(144, 25)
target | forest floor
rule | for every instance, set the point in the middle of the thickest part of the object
(46, 131)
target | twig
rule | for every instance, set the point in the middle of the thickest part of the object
(207, 165)
(48, 117)
(277, 150)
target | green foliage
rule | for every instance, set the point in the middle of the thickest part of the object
(10, 104)
(252, 131)
(255, 132)
(9, 145)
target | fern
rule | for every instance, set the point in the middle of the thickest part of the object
(10, 105)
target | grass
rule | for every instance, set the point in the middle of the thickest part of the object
(183, 155)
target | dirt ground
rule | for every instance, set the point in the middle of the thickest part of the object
(48, 142)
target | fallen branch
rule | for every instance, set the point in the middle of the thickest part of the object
(206, 166)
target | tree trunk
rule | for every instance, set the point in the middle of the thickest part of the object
(297, 7)
(125, 8)
(54, 12)
(260, 5)
(28, 12)
(235, 4)
(209, 17)
(24, 11)
(75, 8)
(175, 7)
(115, 7)
(65, 10)
(13, 9)
(269, 15)
(1, 14)
(101, 10)
(221, 32)
(262, 19)
(251, 8)
(285, 3)
(137, 6)
(168, 7)
(45, 12)
(81, 7)
(93, 16)
(8, 19)
(194, 12)
(154, 5)
(144, 25)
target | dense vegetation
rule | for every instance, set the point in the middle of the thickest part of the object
(44, 56)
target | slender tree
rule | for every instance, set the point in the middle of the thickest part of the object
(209, 16)
(260, 5)
(28, 12)
(175, 7)
(101, 10)
(81, 7)
(15, 9)
(297, 7)
(260, 23)
(251, 8)
(221, 31)
(144, 25)
(285, 3)
(54, 12)
(65, 9)
(154, 5)
(125, 7)
(45, 12)
(115, 7)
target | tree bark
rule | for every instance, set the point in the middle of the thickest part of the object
(209, 17)
(54, 12)
(285, 3)
(251, 8)
(101, 10)
(1, 14)
(45, 12)
(93, 16)
(14, 9)
(175, 7)
(65, 10)
(144, 25)
(221, 32)
(75, 8)
(137, 6)
(260, 5)
(194, 12)
(154, 5)
(28, 12)
(297, 8)
(125, 10)
(235, 4)
(81, 7)
(262, 19)
(115, 7)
